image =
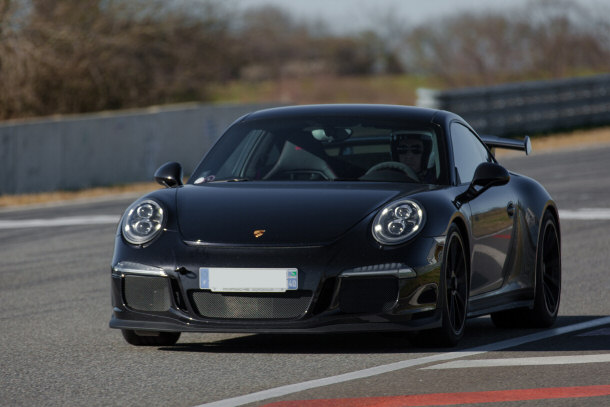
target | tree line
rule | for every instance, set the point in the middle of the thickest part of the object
(74, 56)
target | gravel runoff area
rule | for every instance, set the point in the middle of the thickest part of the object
(540, 145)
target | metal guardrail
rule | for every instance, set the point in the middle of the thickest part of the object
(527, 107)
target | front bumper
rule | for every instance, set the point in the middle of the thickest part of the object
(342, 288)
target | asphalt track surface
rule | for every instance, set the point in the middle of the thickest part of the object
(57, 349)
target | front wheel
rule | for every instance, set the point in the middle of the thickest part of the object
(453, 295)
(548, 283)
(150, 338)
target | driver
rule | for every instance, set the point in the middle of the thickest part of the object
(414, 151)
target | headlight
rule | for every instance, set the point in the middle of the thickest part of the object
(398, 222)
(142, 222)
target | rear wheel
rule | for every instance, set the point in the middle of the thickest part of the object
(453, 295)
(150, 338)
(548, 283)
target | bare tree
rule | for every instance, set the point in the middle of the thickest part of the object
(73, 56)
(547, 39)
(70, 56)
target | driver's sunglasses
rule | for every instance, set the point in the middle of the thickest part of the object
(410, 149)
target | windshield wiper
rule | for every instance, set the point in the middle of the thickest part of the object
(236, 179)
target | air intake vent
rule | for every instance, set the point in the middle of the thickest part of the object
(147, 293)
(368, 295)
(288, 305)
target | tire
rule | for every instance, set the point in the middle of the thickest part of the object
(548, 283)
(453, 295)
(151, 338)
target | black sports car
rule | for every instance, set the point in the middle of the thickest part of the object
(338, 218)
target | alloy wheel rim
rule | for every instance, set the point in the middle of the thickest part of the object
(455, 283)
(551, 268)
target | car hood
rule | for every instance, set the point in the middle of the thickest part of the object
(231, 212)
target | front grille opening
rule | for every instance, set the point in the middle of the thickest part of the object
(368, 295)
(428, 296)
(326, 296)
(146, 293)
(287, 305)
(177, 295)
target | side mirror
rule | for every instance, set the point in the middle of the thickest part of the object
(169, 175)
(490, 174)
(485, 176)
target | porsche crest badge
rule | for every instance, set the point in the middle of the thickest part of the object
(258, 233)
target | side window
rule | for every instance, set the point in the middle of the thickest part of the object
(468, 152)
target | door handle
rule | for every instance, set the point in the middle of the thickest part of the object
(510, 208)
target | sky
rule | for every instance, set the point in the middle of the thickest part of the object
(355, 15)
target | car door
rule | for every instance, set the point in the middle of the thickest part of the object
(491, 213)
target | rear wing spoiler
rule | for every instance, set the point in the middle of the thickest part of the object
(511, 144)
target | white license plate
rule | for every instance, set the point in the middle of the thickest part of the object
(221, 279)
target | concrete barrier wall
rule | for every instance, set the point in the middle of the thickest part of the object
(76, 152)
(114, 148)
(528, 107)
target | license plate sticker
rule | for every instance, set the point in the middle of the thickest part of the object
(221, 279)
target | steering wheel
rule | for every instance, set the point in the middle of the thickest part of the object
(394, 165)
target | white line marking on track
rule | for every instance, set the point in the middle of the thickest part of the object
(66, 221)
(585, 214)
(378, 370)
(531, 361)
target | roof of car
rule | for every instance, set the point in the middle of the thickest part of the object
(367, 110)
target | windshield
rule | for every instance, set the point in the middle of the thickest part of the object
(325, 149)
